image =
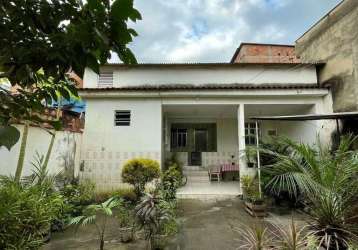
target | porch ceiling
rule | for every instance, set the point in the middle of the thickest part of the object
(230, 111)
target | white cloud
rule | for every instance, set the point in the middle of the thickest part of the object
(211, 30)
(191, 49)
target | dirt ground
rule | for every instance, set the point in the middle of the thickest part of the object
(204, 225)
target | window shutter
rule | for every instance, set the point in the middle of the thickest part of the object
(122, 117)
(105, 79)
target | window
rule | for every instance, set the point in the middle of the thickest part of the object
(122, 117)
(105, 79)
(272, 132)
(250, 133)
(179, 137)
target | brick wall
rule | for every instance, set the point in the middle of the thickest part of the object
(265, 53)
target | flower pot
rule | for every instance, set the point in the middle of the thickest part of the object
(126, 234)
(250, 164)
(256, 208)
(158, 242)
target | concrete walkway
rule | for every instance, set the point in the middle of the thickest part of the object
(204, 225)
(213, 224)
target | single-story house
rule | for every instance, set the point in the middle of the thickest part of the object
(200, 111)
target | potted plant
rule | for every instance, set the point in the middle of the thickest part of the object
(251, 156)
(246, 183)
(126, 224)
(255, 205)
(254, 202)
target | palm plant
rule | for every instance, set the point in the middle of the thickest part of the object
(40, 175)
(90, 216)
(327, 181)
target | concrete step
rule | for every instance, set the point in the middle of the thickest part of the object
(196, 179)
(192, 168)
(195, 173)
(205, 197)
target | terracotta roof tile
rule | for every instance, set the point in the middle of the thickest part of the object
(169, 87)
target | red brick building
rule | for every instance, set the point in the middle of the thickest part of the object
(265, 53)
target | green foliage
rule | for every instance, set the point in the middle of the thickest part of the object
(138, 172)
(9, 135)
(41, 41)
(171, 180)
(251, 154)
(151, 213)
(126, 193)
(170, 227)
(328, 183)
(125, 215)
(77, 195)
(173, 161)
(91, 213)
(26, 214)
(54, 36)
(250, 187)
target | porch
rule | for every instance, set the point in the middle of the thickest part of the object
(199, 186)
(202, 136)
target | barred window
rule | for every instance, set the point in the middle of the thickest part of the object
(179, 137)
(105, 79)
(250, 133)
(122, 117)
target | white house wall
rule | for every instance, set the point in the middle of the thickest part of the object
(265, 74)
(108, 147)
(65, 151)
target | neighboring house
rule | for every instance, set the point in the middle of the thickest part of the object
(201, 111)
(334, 40)
(265, 53)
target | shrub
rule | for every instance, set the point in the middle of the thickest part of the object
(173, 162)
(170, 183)
(26, 214)
(127, 194)
(77, 195)
(125, 216)
(138, 172)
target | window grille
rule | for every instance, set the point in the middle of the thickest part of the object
(122, 117)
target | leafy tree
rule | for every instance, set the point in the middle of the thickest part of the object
(41, 41)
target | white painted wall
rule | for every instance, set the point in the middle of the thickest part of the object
(107, 147)
(65, 151)
(264, 74)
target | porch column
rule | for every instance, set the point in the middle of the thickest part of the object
(241, 139)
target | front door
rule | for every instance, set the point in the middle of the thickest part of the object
(201, 140)
(200, 145)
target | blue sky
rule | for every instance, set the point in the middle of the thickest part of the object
(211, 30)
